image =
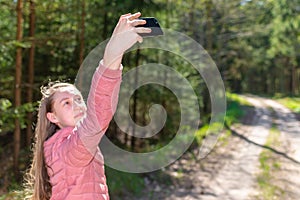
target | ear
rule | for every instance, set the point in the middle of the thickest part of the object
(51, 117)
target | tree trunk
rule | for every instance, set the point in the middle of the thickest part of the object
(135, 98)
(297, 81)
(82, 30)
(79, 51)
(105, 21)
(293, 80)
(18, 76)
(208, 36)
(30, 71)
(209, 32)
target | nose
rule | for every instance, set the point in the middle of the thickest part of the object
(76, 104)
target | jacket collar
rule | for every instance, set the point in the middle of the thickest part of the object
(60, 135)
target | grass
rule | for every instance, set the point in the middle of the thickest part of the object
(234, 113)
(293, 103)
(14, 195)
(268, 166)
(118, 182)
(122, 183)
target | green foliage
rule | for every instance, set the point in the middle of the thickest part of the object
(21, 44)
(9, 114)
(119, 182)
(285, 29)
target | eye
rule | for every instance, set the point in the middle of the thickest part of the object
(78, 99)
(67, 102)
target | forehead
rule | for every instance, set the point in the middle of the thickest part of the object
(70, 89)
(64, 92)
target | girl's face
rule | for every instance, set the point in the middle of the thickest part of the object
(68, 107)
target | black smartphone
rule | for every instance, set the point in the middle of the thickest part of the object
(151, 22)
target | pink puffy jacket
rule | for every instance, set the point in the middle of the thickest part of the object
(74, 161)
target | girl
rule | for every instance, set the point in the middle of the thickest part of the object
(67, 162)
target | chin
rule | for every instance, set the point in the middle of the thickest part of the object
(79, 120)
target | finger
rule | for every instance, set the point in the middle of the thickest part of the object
(138, 22)
(126, 15)
(140, 39)
(134, 16)
(143, 30)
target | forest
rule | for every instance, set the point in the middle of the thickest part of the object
(254, 44)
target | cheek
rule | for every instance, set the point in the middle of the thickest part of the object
(67, 109)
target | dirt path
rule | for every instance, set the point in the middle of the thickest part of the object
(289, 155)
(230, 171)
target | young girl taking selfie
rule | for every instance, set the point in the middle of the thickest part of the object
(67, 162)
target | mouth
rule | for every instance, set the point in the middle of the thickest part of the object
(79, 115)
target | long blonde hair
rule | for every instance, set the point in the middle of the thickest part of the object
(37, 185)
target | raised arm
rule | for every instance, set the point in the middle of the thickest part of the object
(103, 95)
(101, 105)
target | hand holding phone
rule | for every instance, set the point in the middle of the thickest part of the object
(153, 24)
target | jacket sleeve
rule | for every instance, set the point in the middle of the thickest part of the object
(101, 105)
